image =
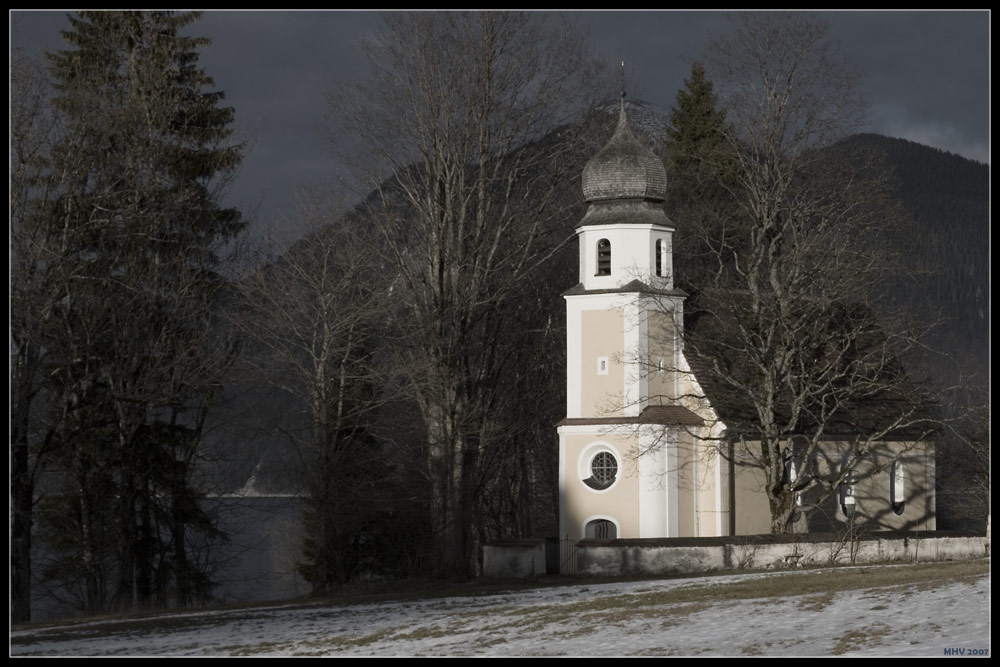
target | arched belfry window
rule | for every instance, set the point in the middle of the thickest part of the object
(897, 488)
(659, 257)
(604, 257)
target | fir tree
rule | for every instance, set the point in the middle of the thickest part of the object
(137, 169)
(700, 173)
(696, 134)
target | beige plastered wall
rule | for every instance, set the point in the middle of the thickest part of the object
(872, 490)
(620, 502)
(874, 509)
(753, 514)
(662, 386)
(687, 474)
(710, 487)
(602, 395)
(696, 497)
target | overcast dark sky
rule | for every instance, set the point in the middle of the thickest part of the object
(926, 76)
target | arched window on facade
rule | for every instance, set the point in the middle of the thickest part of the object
(600, 529)
(897, 487)
(604, 257)
(792, 472)
(848, 501)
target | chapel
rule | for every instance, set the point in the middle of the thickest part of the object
(644, 450)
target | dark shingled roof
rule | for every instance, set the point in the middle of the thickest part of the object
(663, 415)
(626, 212)
(632, 287)
(624, 169)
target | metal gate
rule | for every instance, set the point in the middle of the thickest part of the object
(567, 556)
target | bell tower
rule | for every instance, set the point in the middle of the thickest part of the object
(618, 443)
(626, 245)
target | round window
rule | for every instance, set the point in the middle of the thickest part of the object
(603, 471)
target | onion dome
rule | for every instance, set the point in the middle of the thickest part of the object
(624, 169)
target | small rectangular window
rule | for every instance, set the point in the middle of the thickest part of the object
(602, 365)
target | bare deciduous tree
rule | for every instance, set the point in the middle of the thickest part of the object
(466, 199)
(964, 460)
(787, 329)
(314, 319)
(35, 275)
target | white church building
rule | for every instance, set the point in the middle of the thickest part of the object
(640, 453)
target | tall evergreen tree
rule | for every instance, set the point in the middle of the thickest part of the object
(135, 356)
(696, 134)
(700, 176)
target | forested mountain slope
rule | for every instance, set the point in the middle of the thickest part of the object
(945, 240)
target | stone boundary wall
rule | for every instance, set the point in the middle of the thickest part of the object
(768, 552)
(532, 557)
(521, 558)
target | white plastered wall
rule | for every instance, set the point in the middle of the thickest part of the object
(633, 255)
(708, 443)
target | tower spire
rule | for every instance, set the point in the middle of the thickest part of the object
(621, 111)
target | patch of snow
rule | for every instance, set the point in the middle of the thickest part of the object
(577, 620)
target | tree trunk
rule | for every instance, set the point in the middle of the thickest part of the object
(145, 549)
(22, 492)
(182, 594)
(125, 586)
(452, 506)
(22, 485)
(94, 585)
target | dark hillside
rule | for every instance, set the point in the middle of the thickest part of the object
(946, 240)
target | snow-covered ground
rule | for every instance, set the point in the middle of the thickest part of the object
(671, 617)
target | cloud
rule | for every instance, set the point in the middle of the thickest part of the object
(944, 136)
